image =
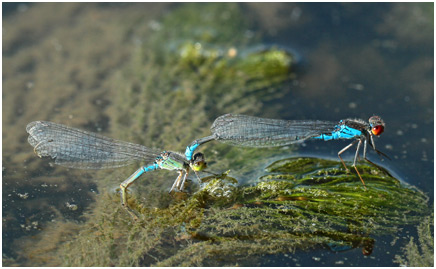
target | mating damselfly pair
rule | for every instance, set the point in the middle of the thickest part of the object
(74, 148)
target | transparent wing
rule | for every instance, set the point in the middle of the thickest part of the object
(75, 148)
(242, 130)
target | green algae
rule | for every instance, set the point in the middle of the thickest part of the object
(273, 216)
(419, 254)
(217, 23)
(174, 86)
(177, 83)
(299, 204)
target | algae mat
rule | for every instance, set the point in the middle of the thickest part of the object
(221, 224)
(157, 83)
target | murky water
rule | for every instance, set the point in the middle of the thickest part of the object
(72, 63)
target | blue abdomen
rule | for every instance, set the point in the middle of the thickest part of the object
(344, 132)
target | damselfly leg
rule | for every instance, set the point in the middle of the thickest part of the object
(177, 181)
(342, 151)
(355, 157)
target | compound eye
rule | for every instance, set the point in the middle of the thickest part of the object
(377, 130)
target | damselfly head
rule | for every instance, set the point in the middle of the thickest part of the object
(377, 125)
(198, 163)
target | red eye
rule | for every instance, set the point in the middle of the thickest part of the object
(377, 130)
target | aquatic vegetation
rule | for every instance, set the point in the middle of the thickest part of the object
(195, 76)
(215, 23)
(318, 208)
(191, 76)
(420, 254)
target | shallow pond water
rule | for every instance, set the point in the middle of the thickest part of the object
(159, 74)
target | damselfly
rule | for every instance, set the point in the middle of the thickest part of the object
(74, 148)
(248, 131)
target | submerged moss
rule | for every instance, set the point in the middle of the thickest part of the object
(277, 215)
(179, 78)
(421, 254)
(217, 23)
(191, 76)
